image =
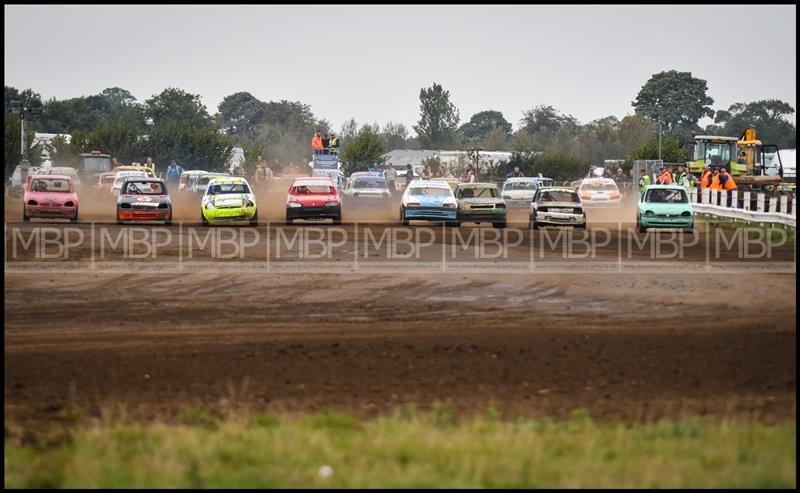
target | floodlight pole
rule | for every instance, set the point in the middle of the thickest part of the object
(659, 140)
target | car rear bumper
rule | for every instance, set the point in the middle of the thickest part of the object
(230, 214)
(324, 212)
(482, 215)
(145, 215)
(667, 222)
(48, 211)
(599, 204)
(518, 203)
(431, 214)
(560, 218)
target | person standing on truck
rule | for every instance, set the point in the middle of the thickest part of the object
(326, 143)
(316, 142)
(409, 174)
(516, 173)
(334, 144)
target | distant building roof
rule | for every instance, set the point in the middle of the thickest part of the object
(400, 158)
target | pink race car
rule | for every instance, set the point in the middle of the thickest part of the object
(50, 196)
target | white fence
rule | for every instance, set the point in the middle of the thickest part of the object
(745, 206)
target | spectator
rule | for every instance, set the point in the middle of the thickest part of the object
(326, 142)
(173, 172)
(516, 173)
(409, 174)
(334, 144)
(391, 176)
(316, 143)
(644, 180)
(426, 173)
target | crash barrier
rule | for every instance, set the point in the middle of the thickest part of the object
(745, 206)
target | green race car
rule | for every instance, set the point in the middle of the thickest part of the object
(479, 203)
(228, 198)
(665, 206)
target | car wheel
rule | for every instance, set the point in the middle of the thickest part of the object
(168, 222)
(203, 219)
(75, 218)
(641, 227)
(119, 221)
(580, 226)
(533, 224)
(25, 216)
(452, 224)
(254, 219)
(403, 220)
(500, 225)
(337, 219)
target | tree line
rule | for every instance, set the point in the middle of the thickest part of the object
(174, 124)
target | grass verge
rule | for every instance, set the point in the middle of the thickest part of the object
(409, 449)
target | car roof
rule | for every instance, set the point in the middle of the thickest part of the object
(227, 180)
(143, 178)
(476, 185)
(523, 178)
(428, 183)
(557, 189)
(66, 169)
(598, 180)
(50, 177)
(673, 186)
(312, 178)
(194, 172)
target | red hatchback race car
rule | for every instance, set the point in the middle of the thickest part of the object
(142, 198)
(50, 196)
(313, 197)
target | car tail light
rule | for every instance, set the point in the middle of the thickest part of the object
(586, 196)
(32, 202)
(614, 195)
(69, 203)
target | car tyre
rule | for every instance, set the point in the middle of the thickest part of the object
(119, 221)
(254, 219)
(25, 217)
(337, 219)
(499, 225)
(452, 224)
(641, 227)
(533, 224)
(75, 218)
(580, 226)
(203, 219)
(403, 220)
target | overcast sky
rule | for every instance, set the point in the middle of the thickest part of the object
(369, 62)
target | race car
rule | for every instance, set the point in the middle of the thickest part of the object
(665, 206)
(518, 192)
(314, 198)
(480, 202)
(557, 206)
(430, 200)
(228, 198)
(599, 192)
(142, 198)
(187, 178)
(50, 196)
(197, 184)
(366, 189)
(120, 178)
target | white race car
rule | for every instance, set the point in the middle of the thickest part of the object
(430, 200)
(600, 192)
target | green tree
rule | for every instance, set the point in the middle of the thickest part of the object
(13, 143)
(484, 122)
(547, 118)
(438, 123)
(193, 148)
(365, 150)
(676, 99)
(768, 117)
(394, 135)
(671, 150)
(241, 112)
(120, 138)
(180, 106)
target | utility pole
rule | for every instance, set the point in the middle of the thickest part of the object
(659, 140)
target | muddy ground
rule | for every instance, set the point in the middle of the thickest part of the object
(623, 345)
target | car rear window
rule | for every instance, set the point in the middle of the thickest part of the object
(369, 183)
(478, 193)
(599, 186)
(558, 196)
(58, 185)
(144, 188)
(666, 196)
(430, 192)
(223, 188)
(312, 188)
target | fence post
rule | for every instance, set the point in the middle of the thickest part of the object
(692, 195)
(773, 204)
(760, 202)
(784, 204)
(705, 196)
(734, 199)
(746, 201)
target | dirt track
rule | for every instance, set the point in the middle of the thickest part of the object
(632, 345)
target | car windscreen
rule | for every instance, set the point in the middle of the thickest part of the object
(58, 185)
(312, 188)
(478, 193)
(223, 188)
(592, 187)
(520, 185)
(666, 196)
(430, 192)
(121, 177)
(373, 183)
(107, 179)
(558, 196)
(144, 188)
(96, 163)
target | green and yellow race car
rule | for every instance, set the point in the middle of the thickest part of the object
(228, 198)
